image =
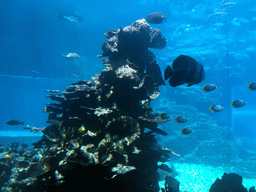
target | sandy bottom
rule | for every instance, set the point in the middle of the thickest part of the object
(199, 178)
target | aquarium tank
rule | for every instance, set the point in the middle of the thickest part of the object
(135, 96)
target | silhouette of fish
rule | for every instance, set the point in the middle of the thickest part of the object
(15, 122)
(238, 103)
(155, 18)
(184, 69)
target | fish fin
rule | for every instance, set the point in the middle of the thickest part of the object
(176, 120)
(232, 104)
(182, 132)
(174, 81)
(189, 85)
(168, 72)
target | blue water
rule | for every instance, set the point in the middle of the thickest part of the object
(33, 39)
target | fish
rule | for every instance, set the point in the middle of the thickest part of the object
(186, 131)
(164, 116)
(228, 4)
(241, 20)
(165, 168)
(7, 157)
(15, 122)
(221, 13)
(238, 103)
(149, 114)
(209, 87)
(155, 18)
(184, 69)
(216, 108)
(53, 121)
(181, 119)
(82, 129)
(71, 18)
(71, 56)
(252, 86)
(235, 23)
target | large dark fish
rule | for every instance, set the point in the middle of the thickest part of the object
(155, 18)
(184, 69)
(15, 122)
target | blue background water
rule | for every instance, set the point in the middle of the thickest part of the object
(33, 39)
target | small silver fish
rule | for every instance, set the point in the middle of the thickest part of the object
(71, 56)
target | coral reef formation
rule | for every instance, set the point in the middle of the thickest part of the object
(231, 182)
(100, 124)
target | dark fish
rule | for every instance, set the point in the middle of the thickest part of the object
(165, 168)
(209, 87)
(181, 119)
(184, 69)
(216, 108)
(252, 86)
(150, 114)
(53, 122)
(238, 103)
(164, 116)
(155, 18)
(15, 122)
(186, 131)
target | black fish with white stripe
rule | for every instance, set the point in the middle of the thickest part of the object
(184, 69)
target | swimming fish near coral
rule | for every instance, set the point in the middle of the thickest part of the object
(181, 119)
(209, 87)
(184, 69)
(164, 116)
(15, 122)
(155, 18)
(252, 86)
(71, 56)
(165, 168)
(238, 103)
(186, 131)
(216, 108)
(150, 114)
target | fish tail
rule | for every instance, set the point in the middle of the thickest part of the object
(211, 109)
(203, 88)
(168, 72)
(22, 123)
(176, 120)
(249, 87)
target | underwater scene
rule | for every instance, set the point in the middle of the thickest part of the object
(135, 96)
